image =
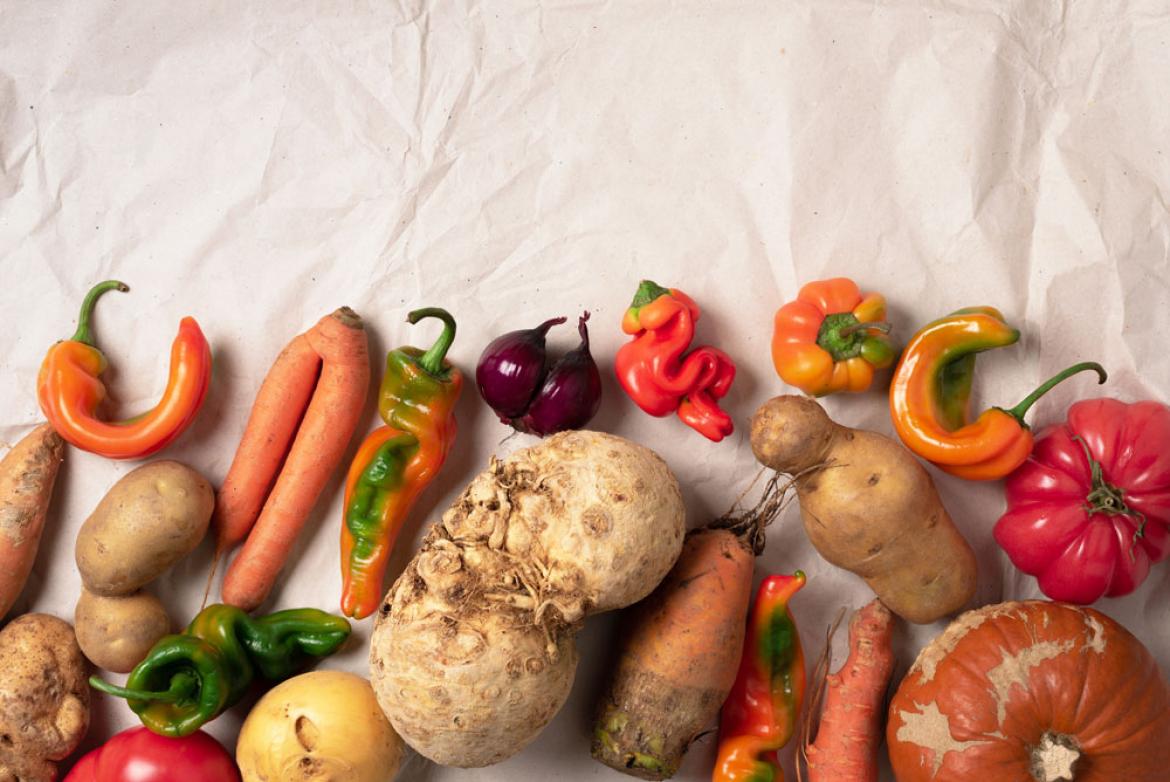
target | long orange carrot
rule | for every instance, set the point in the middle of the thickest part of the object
(27, 475)
(847, 742)
(336, 345)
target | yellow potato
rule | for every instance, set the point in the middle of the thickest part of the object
(323, 726)
(151, 518)
(115, 633)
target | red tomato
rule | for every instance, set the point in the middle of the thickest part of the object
(137, 755)
(1089, 511)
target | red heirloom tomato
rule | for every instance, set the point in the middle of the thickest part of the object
(137, 755)
(1089, 511)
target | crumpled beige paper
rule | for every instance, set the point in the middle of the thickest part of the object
(257, 165)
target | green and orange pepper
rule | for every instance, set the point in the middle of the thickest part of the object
(658, 377)
(69, 390)
(397, 461)
(760, 714)
(831, 338)
(930, 397)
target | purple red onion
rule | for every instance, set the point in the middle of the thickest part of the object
(515, 380)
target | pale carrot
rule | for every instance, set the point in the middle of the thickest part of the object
(339, 349)
(27, 475)
(850, 733)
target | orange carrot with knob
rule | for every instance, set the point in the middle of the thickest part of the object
(27, 475)
(313, 396)
(850, 733)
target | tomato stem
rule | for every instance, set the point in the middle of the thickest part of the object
(1106, 498)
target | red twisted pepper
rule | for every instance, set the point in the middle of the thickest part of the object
(656, 375)
(760, 714)
(70, 391)
(397, 461)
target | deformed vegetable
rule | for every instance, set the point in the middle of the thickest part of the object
(322, 726)
(850, 732)
(760, 714)
(831, 338)
(529, 395)
(151, 518)
(44, 703)
(930, 397)
(658, 377)
(1089, 511)
(1032, 691)
(27, 475)
(70, 392)
(190, 679)
(116, 633)
(304, 416)
(473, 653)
(396, 461)
(139, 755)
(868, 506)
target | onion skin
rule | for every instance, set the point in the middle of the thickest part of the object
(511, 370)
(570, 395)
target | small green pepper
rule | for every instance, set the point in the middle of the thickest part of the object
(189, 679)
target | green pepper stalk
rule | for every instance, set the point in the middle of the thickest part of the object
(397, 461)
(189, 679)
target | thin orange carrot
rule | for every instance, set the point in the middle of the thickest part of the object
(329, 421)
(850, 733)
(27, 475)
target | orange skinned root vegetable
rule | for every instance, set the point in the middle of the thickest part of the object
(681, 647)
(27, 475)
(850, 733)
(69, 390)
(306, 450)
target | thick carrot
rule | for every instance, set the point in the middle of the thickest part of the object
(847, 742)
(27, 475)
(679, 657)
(321, 439)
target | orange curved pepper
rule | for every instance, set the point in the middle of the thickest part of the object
(929, 398)
(69, 390)
(831, 338)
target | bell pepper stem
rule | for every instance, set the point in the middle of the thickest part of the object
(432, 360)
(183, 686)
(1019, 411)
(882, 326)
(82, 334)
(647, 292)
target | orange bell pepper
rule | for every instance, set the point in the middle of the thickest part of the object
(70, 391)
(831, 338)
(930, 395)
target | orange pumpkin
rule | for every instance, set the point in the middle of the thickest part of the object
(1032, 691)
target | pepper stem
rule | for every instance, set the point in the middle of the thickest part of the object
(183, 686)
(1019, 411)
(882, 326)
(82, 334)
(432, 360)
(647, 292)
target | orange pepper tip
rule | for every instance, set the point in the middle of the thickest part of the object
(82, 334)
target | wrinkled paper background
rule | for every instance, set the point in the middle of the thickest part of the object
(258, 165)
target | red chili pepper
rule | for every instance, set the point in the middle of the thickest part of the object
(1089, 511)
(138, 755)
(655, 373)
(760, 714)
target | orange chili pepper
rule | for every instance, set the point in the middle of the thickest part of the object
(831, 338)
(69, 390)
(930, 396)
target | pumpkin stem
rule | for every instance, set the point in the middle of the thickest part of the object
(1055, 758)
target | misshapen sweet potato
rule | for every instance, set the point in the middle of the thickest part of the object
(869, 508)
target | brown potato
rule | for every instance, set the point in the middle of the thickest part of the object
(44, 697)
(115, 633)
(871, 509)
(148, 520)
